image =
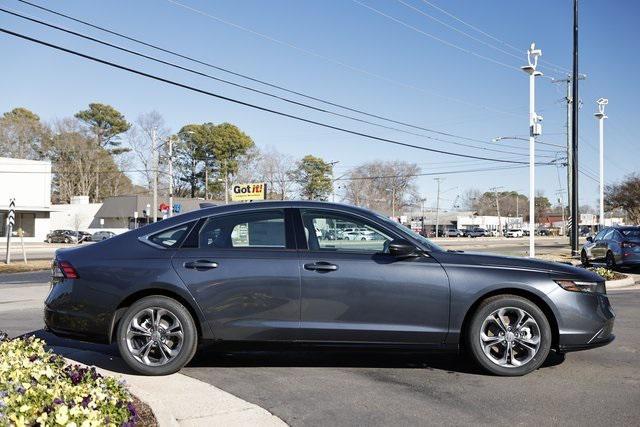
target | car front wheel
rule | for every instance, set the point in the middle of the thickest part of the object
(509, 336)
(157, 336)
(584, 260)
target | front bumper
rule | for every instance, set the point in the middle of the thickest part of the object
(585, 321)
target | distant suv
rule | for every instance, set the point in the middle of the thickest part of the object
(616, 246)
(454, 232)
(476, 232)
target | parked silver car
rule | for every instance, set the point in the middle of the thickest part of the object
(102, 235)
(616, 246)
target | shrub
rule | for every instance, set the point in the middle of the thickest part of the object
(605, 273)
(37, 387)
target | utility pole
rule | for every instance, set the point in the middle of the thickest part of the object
(438, 206)
(154, 148)
(575, 209)
(226, 183)
(601, 116)
(569, 102)
(495, 191)
(170, 142)
(535, 129)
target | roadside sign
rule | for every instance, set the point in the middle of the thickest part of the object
(248, 192)
(11, 220)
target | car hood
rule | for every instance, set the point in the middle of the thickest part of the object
(557, 269)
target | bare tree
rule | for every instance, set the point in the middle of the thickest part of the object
(140, 140)
(382, 185)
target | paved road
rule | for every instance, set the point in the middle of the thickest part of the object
(327, 387)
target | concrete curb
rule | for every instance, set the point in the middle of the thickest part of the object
(177, 400)
(622, 283)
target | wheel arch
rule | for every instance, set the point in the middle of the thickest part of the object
(132, 298)
(536, 299)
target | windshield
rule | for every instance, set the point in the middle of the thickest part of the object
(409, 231)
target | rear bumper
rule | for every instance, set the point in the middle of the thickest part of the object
(79, 312)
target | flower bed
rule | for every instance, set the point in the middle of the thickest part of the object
(607, 274)
(38, 387)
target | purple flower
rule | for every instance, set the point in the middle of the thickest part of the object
(132, 410)
(20, 389)
(58, 401)
(85, 401)
(33, 358)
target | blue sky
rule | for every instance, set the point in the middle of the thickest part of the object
(342, 51)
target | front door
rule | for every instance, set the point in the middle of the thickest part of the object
(354, 291)
(242, 268)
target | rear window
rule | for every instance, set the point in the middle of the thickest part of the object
(633, 233)
(172, 237)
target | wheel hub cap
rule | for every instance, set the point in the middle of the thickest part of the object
(154, 336)
(510, 337)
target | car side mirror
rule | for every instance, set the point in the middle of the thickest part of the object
(589, 239)
(402, 248)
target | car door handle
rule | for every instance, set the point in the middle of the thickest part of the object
(201, 264)
(321, 266)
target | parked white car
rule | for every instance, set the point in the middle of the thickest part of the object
(515, 232)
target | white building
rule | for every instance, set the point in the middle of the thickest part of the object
(29, 183)
(79, 215)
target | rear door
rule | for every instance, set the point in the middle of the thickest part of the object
(242, 269)
(354, 291)
(601, 243)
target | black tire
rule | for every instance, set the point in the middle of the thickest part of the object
(584, 260)
(190, 335)
(610, 260)
(492, 304)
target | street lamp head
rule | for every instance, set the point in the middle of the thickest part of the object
(532, 58)
(601, 103)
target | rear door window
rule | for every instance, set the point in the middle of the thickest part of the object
(259, 229)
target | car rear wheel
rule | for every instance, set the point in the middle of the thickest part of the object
(157, 336)
(584, 260)
(509, 336)
(610, 260)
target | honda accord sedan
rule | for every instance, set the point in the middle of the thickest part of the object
(266, 272)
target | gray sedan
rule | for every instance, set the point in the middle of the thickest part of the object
(259, 272)
(616, 246)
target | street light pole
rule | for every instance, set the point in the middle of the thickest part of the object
(575, 208)
(154, 148)
(535, 128)
(170, 142)
(601, 116)
(438, 206)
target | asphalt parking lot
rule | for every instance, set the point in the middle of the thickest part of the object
(306, 386)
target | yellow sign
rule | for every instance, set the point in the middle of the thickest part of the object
(248, 192)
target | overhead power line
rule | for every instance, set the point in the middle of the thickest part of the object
(256, 80)
(334, 61)
(484, 33)
(288, 100)
(250, 105)
(445, 42)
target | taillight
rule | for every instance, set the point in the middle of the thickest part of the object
(64, 269)
(629, 244)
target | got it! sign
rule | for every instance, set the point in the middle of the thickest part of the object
(248, 192)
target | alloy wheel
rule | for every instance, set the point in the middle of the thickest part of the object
(154, 336)
(510, 337)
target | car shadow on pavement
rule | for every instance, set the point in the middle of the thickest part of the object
(302, 356)
(278, 355)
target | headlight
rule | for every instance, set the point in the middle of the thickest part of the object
(576, 286)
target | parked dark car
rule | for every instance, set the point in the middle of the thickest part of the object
(63, 236)
(475, 232)
(258, 272)
(616, 246)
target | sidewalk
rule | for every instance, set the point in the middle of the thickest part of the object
(178, 400)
